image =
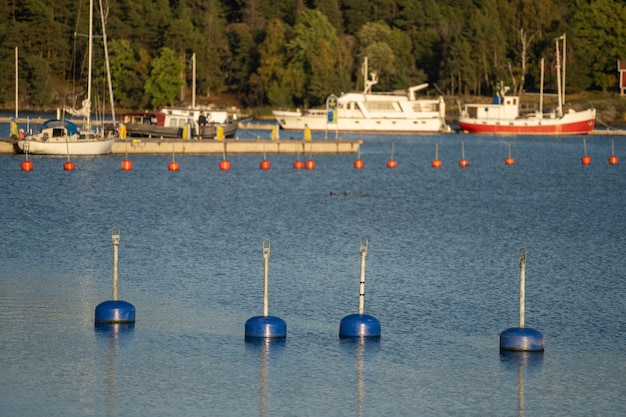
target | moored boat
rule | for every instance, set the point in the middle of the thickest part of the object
(181, 122)
(368, 111)
(62, 137)
(503, 115)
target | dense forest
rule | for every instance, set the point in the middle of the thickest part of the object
(285, 53)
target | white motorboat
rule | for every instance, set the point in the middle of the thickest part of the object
(368, 111)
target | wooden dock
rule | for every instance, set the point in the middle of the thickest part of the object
(218, 147)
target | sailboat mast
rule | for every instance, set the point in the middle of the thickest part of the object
(564, 64)
(16, 84)
(193, 81)
(108, 67)
(558, 78)
(90, 58)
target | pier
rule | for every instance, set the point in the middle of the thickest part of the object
(218, 147)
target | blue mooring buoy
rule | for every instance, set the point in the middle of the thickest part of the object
(360, 325)
(115, 311)
(266, 326)
(521, 339)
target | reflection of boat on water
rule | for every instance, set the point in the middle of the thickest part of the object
(503, 116)
(62, 137)
(180, 122)
(367, 111)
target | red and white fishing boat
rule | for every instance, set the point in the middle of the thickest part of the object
(503, 116)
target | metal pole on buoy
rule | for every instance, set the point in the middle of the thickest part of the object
(392, 163)
(521, 339)
(173, 166)
(509, 159)
(360, 325)
(265, 326)
(463, 162)
(358, 162)
(363, 248)
(613, 160)
(26, 164)
(436, 163)
(115, 311)
(266, 261)
(586, 159)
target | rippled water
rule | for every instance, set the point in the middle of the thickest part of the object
(442, 277)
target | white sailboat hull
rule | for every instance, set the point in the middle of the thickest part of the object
(74, 148)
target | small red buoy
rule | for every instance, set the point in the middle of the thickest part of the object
(436, 163)
(127, 165)
(613, 160)
(27, 165)
(586, 159)
(509, 159)
(463, 162)
(298, 164)
(265, 165)
(309, 164)
(359, 164)
(391, 163)
(225, 165)
(69, 166)
(173, 166)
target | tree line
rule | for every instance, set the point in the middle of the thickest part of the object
(285, 53)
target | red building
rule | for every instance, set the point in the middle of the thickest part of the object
(621, 67)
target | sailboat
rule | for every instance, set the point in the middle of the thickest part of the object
(63, 137)
(503, 115)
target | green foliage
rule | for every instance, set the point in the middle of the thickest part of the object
(164, 82)
(297, 52)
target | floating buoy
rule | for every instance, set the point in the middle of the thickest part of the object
(265, 164)
(509, 160)
(436, 163)
(173, 166)
(309, 164)
(358, 162)
(265, 326)
(522, 339)
(69, 166)
(463, 162)
(298, 164)
(27, 165)
(127, 165)
(115, 311)
(613, 160)
(360, 325)
(224, 164)
(391, 163)
(586, 159)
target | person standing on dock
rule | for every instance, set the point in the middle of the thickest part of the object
(201, 124)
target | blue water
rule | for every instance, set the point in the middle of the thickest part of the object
(442, 276)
